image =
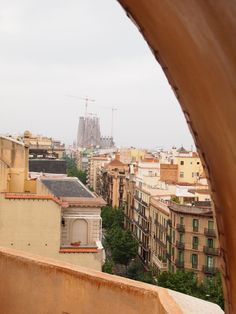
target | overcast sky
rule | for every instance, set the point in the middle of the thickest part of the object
(53, 48)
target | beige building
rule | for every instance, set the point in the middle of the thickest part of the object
(55, 217)
(42, 146)
(160, 215)
(112, 182)
(192, 242)
(131, 155)
(94, 165)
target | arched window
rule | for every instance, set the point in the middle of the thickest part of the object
(79, 232)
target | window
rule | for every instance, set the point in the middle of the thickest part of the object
(181, 220)
(181, 238)
(195, 243)
(180, 256)
(195, 225)
(181, 174)
(198, 163)
(210, 243)
(182, 162)
(192, 174)
(209, 261)
(150, 173)
(210, 224)
(194, 258)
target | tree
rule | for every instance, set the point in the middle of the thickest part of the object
(186, 282)
(73, 171)
(112, 217)
(182, 281)
(107, 267)
(122, 245)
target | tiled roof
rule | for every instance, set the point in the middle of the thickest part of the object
(69, 187)
(25, 196)
(116, 162)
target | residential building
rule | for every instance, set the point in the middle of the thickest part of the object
(94, 165)
(160, 215)
(111, 185)
(55, 216)
(192, 242)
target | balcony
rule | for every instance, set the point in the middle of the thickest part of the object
(179, 264)
(169, 238)
(180, 228)
(82, 290)
(168, 256)
(211, 250)
(169, 222)
(209, 270)
(180, 245)
(210, 233)
(161, 264)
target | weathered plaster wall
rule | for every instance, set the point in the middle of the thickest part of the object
(31, 284)
(35, 226)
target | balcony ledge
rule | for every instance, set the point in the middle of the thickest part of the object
(50, 286)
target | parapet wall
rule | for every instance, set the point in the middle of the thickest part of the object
(31, 284)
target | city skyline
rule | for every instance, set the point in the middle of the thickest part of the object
(53, 49)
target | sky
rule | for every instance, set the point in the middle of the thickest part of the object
(50, 49)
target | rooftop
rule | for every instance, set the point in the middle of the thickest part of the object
(67, 187)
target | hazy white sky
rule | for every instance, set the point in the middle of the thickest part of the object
(52, 48)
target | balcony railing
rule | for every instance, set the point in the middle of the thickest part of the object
(180, 245)
(210, 232)
(179, 264)
(209, 270)
(168, 256)
(169, 238)
(211, 251)
(180, 228)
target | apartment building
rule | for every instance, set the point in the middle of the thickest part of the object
(192, 242)
(94, 164)
(160, 215)
(111, 185)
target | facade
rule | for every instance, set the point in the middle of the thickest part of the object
(43, 147)
(111, 185)
(192, 241)
(88, 132)
(189, 168)
(94, 165)
(160, 215)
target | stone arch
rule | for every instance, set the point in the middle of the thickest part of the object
(194, 42)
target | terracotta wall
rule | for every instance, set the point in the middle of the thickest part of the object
(31, 284)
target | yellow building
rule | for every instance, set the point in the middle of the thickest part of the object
(130, 155)
(190, 168)
(55, 217)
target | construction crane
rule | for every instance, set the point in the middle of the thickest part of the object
(113, 109)
(86, 99)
